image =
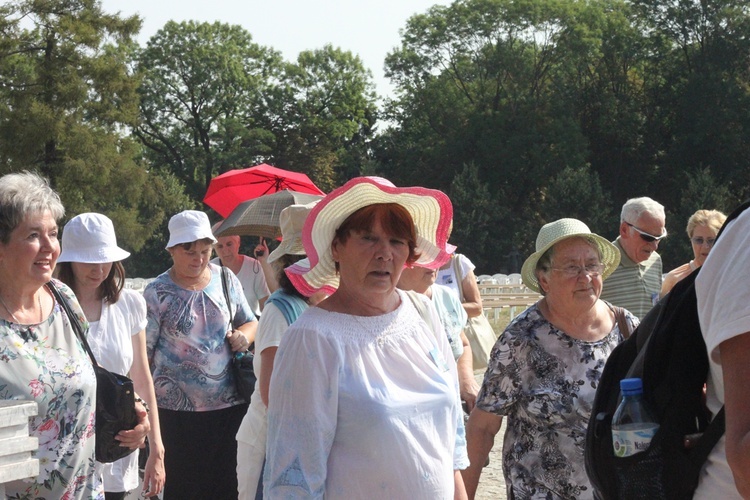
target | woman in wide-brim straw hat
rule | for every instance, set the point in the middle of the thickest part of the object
(363, 400)
(544, 368)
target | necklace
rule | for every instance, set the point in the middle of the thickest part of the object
(195, 286)
(13, 316)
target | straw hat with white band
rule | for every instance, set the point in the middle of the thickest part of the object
(555, 232)
(291, 220)
(431, 211)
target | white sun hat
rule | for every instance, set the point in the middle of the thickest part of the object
(555, 232)
(430, 209)
(292, 220)
(90, 239)
(189, 226)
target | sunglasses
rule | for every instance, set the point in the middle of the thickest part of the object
(648, 238)
(698, 241)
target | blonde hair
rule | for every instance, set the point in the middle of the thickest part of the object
(709, 218)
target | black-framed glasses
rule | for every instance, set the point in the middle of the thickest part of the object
(697, 240)
(571, 271)
(647, 237)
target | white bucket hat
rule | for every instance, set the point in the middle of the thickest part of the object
(561, 229)
(90, 239)
(292, 220)
(430, 209)
(189, 226)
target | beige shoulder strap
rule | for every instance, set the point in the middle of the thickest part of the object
(456, 263)
(622, 323)
(421, 308)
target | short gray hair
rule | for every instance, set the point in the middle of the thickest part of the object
(635, 207)
(23, 194)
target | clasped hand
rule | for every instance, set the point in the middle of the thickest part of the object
(136, 437)
(238, 341)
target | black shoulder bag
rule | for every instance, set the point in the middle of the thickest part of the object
(115, 396)
(242, 362)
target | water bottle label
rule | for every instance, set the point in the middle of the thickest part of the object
(629, 440)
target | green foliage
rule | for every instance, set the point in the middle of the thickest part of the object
(475, 217)
(568, 108)
(525, 111)
(204, 100)
(577, 193)
(212, 101)
(331, 118)
(67, 98)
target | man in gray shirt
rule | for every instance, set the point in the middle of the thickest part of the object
(636, 282)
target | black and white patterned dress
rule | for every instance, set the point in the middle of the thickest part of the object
(544, 382)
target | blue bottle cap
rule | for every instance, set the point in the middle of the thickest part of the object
(631, 385)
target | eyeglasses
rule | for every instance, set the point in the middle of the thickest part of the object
(648, 238)
(592, 270)
(697, 240)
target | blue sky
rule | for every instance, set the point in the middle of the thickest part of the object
(367, 28)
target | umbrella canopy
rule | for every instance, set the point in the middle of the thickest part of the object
(229, 189)
(260, 217)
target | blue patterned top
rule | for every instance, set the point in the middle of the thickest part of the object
(544, 381)
(186, 342)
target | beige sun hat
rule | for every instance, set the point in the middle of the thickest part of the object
(292, 220)
(555, 232)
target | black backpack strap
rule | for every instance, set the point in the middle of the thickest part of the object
(225, 289)
(708, 440)
(77, 326)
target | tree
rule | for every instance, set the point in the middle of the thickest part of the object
(67, 98)
(701, 52)
(475, 221)
(478, 82)
(330, 117)
(577, 193)
(205, 100)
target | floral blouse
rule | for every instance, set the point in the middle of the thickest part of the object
(544, 381)
(186, 342)
(46, 363)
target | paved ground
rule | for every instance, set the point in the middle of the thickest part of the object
(491, 483)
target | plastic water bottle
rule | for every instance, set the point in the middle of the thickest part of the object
(633, 425)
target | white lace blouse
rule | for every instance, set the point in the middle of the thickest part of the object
(362, 407)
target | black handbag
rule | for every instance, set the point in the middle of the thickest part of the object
(242, 362)
(115, 397)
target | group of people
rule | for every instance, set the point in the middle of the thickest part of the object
(544, 368)
(360, 353)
